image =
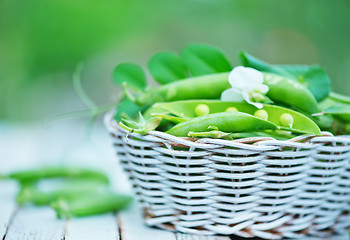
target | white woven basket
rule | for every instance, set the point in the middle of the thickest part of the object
(249, 187)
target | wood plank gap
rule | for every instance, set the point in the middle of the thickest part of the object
(92, 227)
(32, 222)
(119, 224)
(65, 233)
(13, 215)
(185, 236)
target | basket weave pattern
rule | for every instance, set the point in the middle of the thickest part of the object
(250, 187)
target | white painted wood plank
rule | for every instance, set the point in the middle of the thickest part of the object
(90, 228)
(181, 236)
(36, 223)
(132, 227)
(7, 204)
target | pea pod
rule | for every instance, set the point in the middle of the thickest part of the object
(339, 110)
(339, 97)
(281, 89)
(224, 121)
(31, 193)
(207, 87)
(186, 109)
(284, 90)
(57, 172)
(90, 204)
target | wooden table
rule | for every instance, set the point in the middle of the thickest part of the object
(66, 142)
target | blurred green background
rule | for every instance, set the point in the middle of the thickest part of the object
(43, 41)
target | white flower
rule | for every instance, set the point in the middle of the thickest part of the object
(247, 84)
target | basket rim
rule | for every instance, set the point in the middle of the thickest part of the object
(311, 139)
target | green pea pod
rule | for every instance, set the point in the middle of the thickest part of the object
(207, 87)
(68, 188)
(186, 109)
(224, 121)
(90, 204)
(339, 97)
(281, 89)
(287, 91)
(57, 172)
(340, 111)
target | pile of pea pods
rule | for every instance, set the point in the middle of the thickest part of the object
(188, 100)
(70, 191)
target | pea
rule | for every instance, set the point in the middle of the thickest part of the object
(224, 121)
(201, 110)
(286, 120)
(261, 114)
(231, 109)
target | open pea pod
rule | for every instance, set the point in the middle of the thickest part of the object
(223, 121)
(186, 109)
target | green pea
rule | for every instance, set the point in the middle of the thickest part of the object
(224, 121)
(261, 114)
(286, 120)
(201, 110)
(231, 109)
(207, 87)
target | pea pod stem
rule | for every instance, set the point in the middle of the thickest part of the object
(142, 126)
(169, 117)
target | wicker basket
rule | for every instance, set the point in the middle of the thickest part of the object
(250, 187)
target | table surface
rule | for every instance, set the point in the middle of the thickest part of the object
(68, 142)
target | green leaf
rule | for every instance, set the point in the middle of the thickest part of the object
(248, 60)
(167, 67)
(204, 59)
(315, 78)
(126, 107)
(131, 74)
